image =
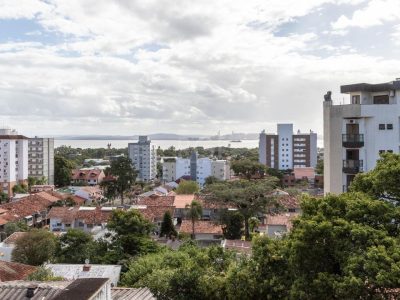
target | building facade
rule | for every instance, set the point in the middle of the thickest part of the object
(356, 133)
(197, 169)
(286, 150)
(41, 158)
(144, 158)
(13, 159)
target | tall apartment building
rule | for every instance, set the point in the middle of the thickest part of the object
(41, 158)
(198, 169)
(286, 150)
(144, 158)
(356, 133)
(13, 159)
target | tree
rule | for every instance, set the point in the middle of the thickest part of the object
(319, 168)
(12, 227)
(211, 180)
(382, 181)
(43, 274)
(233, 225)
(3, 197)
(110, 189)
(35, 247)
(131, 233)
(69, 202)
(74, 247)
(62, 171)
(249, 197)
(20, 189)
(253, 223)
(124, 173)
(194, 213)
(247, 168)
(167, 226)
(187, 187)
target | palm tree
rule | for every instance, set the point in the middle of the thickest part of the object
(195, 211)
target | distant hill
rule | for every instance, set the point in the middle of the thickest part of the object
(160, 136)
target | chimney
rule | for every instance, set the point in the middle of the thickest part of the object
(30, 292)
(86, 266)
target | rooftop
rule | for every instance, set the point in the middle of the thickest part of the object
(201, 227)
(131, 294)
(14, 271)
(73, 271)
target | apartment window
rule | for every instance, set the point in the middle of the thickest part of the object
(381, 99)
(389, 126)
(381, 126)
(390, 151)
(355, 99)
(381, 151)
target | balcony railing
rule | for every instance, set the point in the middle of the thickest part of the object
(353, 140)
(351, 166)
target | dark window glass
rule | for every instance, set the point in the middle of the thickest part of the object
(389, 126)
(381, 99)
(381, 126)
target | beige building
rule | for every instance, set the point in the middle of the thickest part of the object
(357, 132)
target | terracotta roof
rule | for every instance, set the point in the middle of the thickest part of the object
(155, 200)
(48, 196)
(2, 210)
(156, 213)
(14, 237)
(86, 174)
(201, 227)
(289, 202)
(182, 200)
(300, 173)
(89, 215)
(66, 214)
(78, 200)
(14, 271)
(282, 219)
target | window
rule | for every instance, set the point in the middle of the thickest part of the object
(389, 126)
(381, 126)
(381, 151)
(381, 99)
(390, 151)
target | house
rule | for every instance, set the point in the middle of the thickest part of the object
(204, 230)
(87, 177)
(8, 245)
(89, 193)
(88, 219)
(238, 246)
(10, 271)
(81, 288)
(31, 209)
(278, 224)
(74, 271)
(42, 188)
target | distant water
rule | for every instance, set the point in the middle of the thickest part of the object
(163, 144)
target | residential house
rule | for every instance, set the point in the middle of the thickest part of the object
(239, 246)
(204, 230)
(277, 225)
(74, 271)
(90, 194)
(42, 188)
(88, 219)
(10, 271)
(89, 177)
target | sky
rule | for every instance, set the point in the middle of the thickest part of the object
(127, 67)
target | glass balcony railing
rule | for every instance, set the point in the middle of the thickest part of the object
(351, 166)
(353, 140)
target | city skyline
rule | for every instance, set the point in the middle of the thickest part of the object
(85, 67)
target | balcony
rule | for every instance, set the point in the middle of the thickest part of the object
(353, 140)
(351, 166)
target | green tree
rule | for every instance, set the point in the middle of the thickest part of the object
(35, 247)
(62, 171)
(187, 187)
(211, 180)
(12, 227)
(319, 168)
(382, 181)
(247, 168)
(167, 226)
(74, 247)
(69, 202)
(249, 197)
(3, 197)
(110, 189)
(124, 173)
(20, 189)
(194, 213)
(43, 274)
(253, 223)
(131, 233)
(233, 225)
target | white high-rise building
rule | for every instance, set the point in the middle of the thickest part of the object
(198, 169)
(286, 150)
(356, 133)
(144, 158)
(13, 159)
(41, 158)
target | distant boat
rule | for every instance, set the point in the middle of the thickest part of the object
(236, 141)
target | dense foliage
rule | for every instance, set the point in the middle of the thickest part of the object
(187, 187)
(62, 171)
(167, 226)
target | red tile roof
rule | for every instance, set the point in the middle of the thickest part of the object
(182, 200)
(289, 202)
(156, 213)
(65, 214)
(14, 271)
(201, 227)
(282, 219)
(78, 200)
(156, 200)
(88, 216)
(301, 173)
(14, 237)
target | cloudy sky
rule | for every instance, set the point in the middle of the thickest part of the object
(185, 66)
